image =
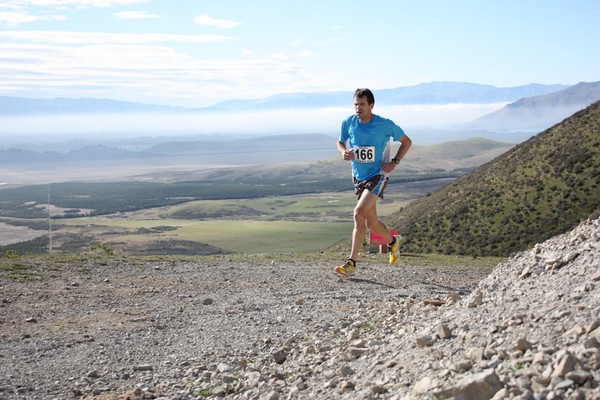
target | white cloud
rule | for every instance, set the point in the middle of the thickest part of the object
(435, 115)
(18, 18)
(324, 120)
(248, 53)
(141, 73)
(278, 56)
(305, 54)
(206, 20)
(174, 124)
(71, 38)
(330, 42)
(75, 3)
(135, 15)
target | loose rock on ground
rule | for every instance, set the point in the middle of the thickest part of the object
(288, 329)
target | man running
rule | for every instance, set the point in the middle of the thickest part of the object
(363, 139)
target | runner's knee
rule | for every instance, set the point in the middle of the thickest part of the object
(362, 213)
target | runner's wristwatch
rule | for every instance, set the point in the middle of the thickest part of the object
(395, 160)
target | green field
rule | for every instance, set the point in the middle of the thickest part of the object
(317, 207)
(244, 236)
(274, 224)
(298, 224)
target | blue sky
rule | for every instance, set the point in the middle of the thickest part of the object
(197, 53)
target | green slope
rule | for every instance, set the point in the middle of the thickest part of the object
(536, 190)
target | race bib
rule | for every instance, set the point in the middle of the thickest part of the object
(364, 154)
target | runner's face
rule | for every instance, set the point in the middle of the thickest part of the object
(362, 108)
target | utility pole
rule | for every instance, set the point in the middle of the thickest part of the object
(49, 223)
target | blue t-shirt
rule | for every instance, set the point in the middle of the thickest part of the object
(368, 142)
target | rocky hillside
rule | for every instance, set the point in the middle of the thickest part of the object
(287, 328)
(538, 189)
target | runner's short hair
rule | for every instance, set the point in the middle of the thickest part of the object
(364, 92)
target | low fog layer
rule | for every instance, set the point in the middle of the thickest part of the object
(265, 122)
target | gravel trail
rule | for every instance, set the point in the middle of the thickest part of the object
(275, 327)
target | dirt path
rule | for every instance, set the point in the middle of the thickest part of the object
(114, 316)
(281, 327)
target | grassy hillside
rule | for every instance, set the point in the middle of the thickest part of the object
(536, 190)
(453, 155)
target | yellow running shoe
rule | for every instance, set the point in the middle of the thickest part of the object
(394, 251)
(347, 269)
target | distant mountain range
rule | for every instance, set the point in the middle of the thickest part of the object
(57, 106)
(539, 112)
(536, 190)
(532, 107)
(424, 93)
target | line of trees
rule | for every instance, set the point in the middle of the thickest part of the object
(38, 245)
(111, 197)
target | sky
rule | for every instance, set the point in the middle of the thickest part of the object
(197, 53)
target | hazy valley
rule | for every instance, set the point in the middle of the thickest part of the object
(116, 195)
(167, 192)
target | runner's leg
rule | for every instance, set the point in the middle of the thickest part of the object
(364, 213)
(374, 224)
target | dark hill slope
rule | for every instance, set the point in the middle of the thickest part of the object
(536, 190)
